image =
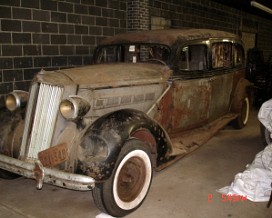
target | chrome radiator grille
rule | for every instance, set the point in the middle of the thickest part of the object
(40, 119)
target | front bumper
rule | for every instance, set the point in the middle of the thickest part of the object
(46, 175)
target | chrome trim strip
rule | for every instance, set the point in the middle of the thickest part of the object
(31, 101)
(158, 100)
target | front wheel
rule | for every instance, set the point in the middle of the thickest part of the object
(243, 116)
(129, 183)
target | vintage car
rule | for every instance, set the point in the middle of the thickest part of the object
(150, 98)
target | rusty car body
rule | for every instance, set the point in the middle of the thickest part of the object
(150, 98)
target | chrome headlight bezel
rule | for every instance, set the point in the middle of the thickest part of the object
(16, 99)
(74, 107)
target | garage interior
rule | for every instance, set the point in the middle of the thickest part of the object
(59, 34)
(187, 188)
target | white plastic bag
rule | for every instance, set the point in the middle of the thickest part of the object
(255, 181)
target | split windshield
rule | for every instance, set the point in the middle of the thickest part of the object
(132, 53)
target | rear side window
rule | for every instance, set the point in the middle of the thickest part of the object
(193, 57)
(221, 55)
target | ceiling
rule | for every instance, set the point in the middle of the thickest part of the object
(245, 5)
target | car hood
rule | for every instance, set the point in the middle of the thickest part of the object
(107, 75)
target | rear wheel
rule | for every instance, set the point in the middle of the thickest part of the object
(129, 183)
(243, 116)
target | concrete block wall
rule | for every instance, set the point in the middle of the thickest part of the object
(160, 23)
(138, 15)
(50, 34)
(264, 38)
(55, 34)
(196, 14)
(209, 14)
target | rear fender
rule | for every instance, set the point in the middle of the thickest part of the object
(104, 139)
(242, 89)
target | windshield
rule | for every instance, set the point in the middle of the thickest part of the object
(132, 53)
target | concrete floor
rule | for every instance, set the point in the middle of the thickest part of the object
(181, 191)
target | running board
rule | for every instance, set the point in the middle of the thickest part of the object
(188, 141)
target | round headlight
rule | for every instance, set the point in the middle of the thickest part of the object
(74, 107)
(16, 99)
(67, 109)
(12, 103)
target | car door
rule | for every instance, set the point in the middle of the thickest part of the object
(190, 90)
(221, 81)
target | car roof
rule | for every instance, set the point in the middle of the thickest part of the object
(167, 37)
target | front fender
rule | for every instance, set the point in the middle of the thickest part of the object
(102, 142)
(11, 131)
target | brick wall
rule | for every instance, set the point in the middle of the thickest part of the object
(264, 37)
(208, 14)
(138, 15)
(196, 14)
(52, 34)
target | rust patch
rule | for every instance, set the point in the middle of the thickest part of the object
(145, 136)
(191, 101)
(164, 109)
(187, 141)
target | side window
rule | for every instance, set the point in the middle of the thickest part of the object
(193, 57)
(238, 55)
(221, 55)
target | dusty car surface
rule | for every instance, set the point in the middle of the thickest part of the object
(149, 99)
